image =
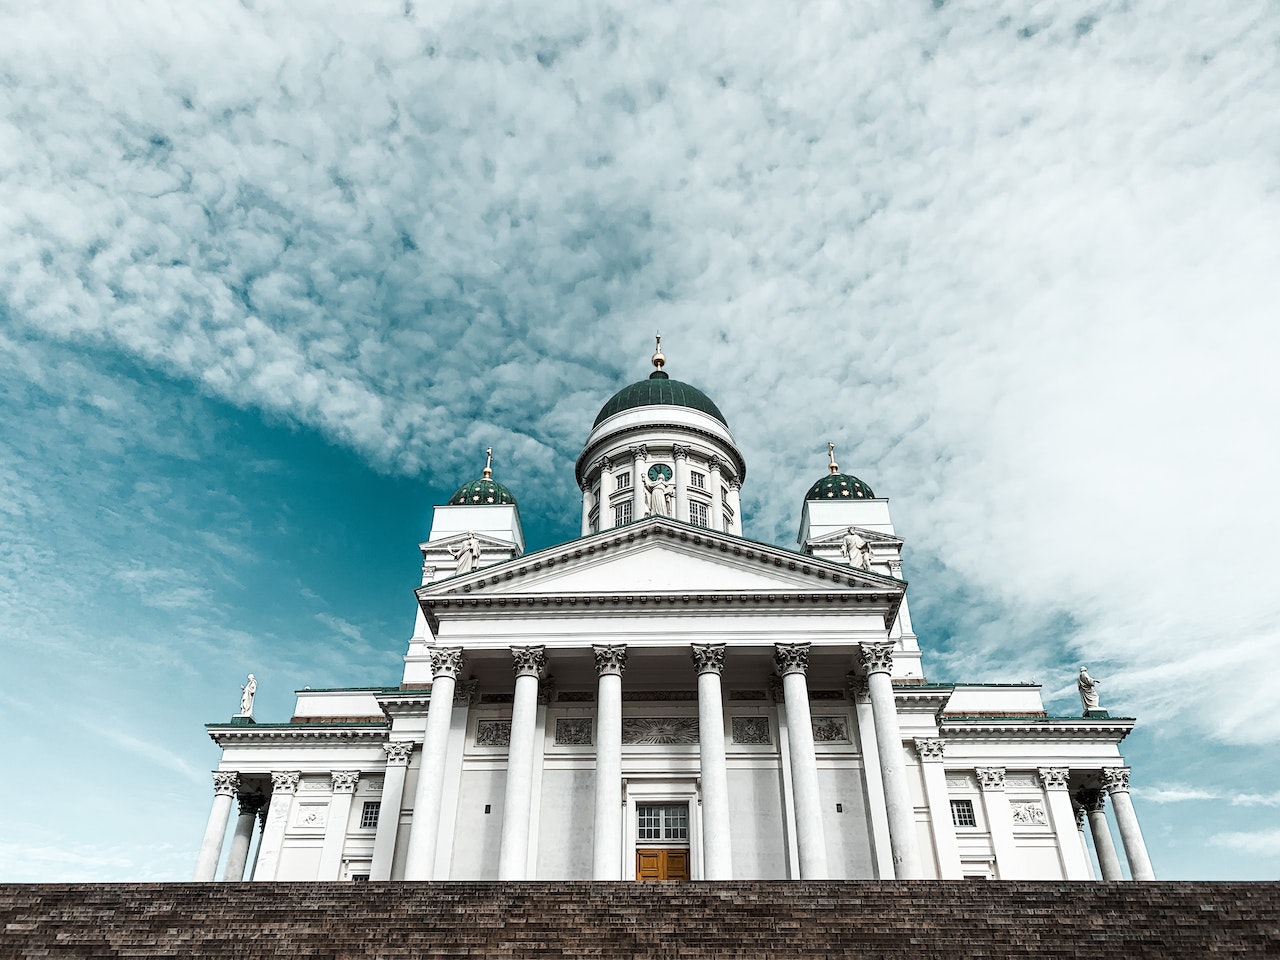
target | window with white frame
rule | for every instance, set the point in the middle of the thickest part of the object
(622, 513)
(698, 514)
(662, 821)
(697, 479)
(622, 481)
(369, 815)
(962, 813)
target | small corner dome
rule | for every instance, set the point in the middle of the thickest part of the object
(839, 486)
(659, 389)
(482, 492)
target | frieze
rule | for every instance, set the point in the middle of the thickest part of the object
(1028, 812)
(654, 730)
(748, 695)
(660, 695)
(574, 731)
(830, 729)
(1021, 780)
(961, 781)
(497, 697)
(316, 784)
(372, 786)
(576, 696)
(826, 694)
(750, 730)
(493, 733)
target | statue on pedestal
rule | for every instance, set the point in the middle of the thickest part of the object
(856, 550)
(467, 555)
(659, 498)
(247, 691)
(1088, 690)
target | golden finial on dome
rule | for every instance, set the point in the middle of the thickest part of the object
(831, 452)
(658, 359)
(488, 463)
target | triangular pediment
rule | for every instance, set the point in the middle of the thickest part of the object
(662, 556)
(871, 536)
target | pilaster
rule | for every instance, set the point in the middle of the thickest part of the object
(335, 826)
(284, 784)
(931, 751)
(1055, 782)
(398, 754)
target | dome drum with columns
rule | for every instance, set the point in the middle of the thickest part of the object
(664, 698)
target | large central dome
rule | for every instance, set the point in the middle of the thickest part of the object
(659, 389)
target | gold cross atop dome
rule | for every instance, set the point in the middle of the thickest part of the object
(659, 360)
(488, 463)
(831, 452)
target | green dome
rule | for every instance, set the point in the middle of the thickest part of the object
(483, 491)
(659, 389)
(839, 486)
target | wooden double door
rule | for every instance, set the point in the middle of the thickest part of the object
(662, 863)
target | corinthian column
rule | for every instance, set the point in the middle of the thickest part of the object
(792, 661)
(384, 841)
(606, 491)
(335, 824)
(716, 520)
(586, 508)
(1054, 780)
(225, 784)
(681, 455)
(1115, 780)
(735, 504)
(1094, 803)
(717, 851)
(446, 664)
(250, 804)
(513, 852)
(284, 784)
(877, 661)
(606, 857)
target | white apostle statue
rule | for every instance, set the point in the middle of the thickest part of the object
(856, 550)
(1088, 690)
(660, 496)
(467, 555)
(247, 691)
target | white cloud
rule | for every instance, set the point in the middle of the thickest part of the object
(1254, 843)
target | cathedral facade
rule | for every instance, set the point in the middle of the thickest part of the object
(664, 698)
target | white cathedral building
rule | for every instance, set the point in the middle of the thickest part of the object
(664, 698)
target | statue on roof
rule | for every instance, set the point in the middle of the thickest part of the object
(247, 691)
(660, 496)
(1088, 690)
(856, 550)
(467, 555)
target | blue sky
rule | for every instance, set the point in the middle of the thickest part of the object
(272, 276)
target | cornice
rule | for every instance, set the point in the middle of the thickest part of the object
(320, 733)
(1112, 730)
(405, 703)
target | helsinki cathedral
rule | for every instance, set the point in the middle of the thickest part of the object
(665, 698)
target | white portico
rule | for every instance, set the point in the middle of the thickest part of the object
(663, 698)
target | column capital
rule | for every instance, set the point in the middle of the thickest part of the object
(1080, 812)
(679, 451)
(604, 463)
(930, 748)
(791, 658)
(284, 781)
(1054, 778)
(398, 752)
(611, 659)
(428, 572)
(877, 657)
(990, 778)
(528, 661)
(715, 464)
(225, 783)
(344, 781)
(708, 657)
(1091, 801)
(859, 689)
(251, 803)
(735, 483)
(895, 569)
(639, 453)
(464, 692)
(1115, 780)
(446, 662)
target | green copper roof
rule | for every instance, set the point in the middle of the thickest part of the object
(839, 486)
(659, 389)
(483, 491)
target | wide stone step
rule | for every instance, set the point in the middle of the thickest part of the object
(868, 920)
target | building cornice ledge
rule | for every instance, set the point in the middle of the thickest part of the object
(223, 734)
(1112, 730)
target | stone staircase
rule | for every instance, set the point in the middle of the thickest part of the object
(778, 921)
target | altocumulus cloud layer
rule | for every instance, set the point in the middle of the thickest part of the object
(1020, 261)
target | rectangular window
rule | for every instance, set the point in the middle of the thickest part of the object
(962, 813)
(369, 815)
(698, 514)
(622, 481)
(359, 878)
(662, 821)
(622, 514)
(697, 479)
